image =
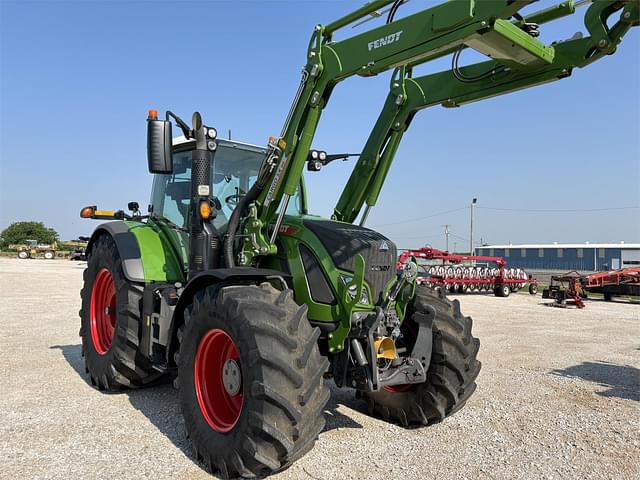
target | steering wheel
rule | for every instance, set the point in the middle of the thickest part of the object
(232, 200)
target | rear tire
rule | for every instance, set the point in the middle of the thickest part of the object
(110, 322)
(273, 416)
(49, 255)
(452, 372)
(533, 289)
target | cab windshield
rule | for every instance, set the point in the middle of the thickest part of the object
(234, 171)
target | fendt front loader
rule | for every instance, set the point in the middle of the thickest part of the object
(231, 287)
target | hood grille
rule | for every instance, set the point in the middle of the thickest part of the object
(344, 241)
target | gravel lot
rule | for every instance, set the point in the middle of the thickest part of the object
(558, 397)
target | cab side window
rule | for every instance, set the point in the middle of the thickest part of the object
(170, 196)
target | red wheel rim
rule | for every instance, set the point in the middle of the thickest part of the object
(219, 408)
(103, 311)
(399, 388)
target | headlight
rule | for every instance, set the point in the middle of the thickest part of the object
(314, 154)
(352, 290)
(322, 155)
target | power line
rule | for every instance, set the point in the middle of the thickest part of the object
(559, 210)
(458, 236)
(439, 235)
(420, 218)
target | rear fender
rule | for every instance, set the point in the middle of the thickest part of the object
(127, 248)
(147, 255)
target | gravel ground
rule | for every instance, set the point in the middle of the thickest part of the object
(558, 397)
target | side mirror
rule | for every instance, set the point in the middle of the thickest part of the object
(159, 144)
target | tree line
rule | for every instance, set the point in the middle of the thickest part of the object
(20, 232)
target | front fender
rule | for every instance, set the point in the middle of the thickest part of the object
(227, 275)
(236, 275)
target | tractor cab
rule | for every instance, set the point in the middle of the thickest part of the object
(234, 169)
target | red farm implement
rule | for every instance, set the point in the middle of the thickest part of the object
(571, 288)
(468, 273)
(565, 290)
(613, 283)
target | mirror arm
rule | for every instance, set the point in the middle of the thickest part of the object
(188, 133)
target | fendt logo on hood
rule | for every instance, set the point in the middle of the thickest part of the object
(381, 42)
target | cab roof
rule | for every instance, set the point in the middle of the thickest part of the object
(183, 141)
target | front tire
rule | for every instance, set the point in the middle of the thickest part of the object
(250, 379)
(452, 372)
(110, 322)
(23, 255)
(49, 255)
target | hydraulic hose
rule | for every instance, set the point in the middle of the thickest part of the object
(239, 211)
(234, 222)
(393, 10)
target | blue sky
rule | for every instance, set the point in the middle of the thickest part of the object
(76, 80)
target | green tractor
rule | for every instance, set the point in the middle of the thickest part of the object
(230, 286)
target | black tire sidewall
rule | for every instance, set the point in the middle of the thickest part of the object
(388, 404)
(197, 425)
(102, 256)
(282, 371)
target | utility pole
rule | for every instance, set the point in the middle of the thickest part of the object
(446, 235)
(473, 202)
(455, 247)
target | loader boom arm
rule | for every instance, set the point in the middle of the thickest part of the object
(443, 29)
(416, 38)
(408, 95)
(425, 35)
